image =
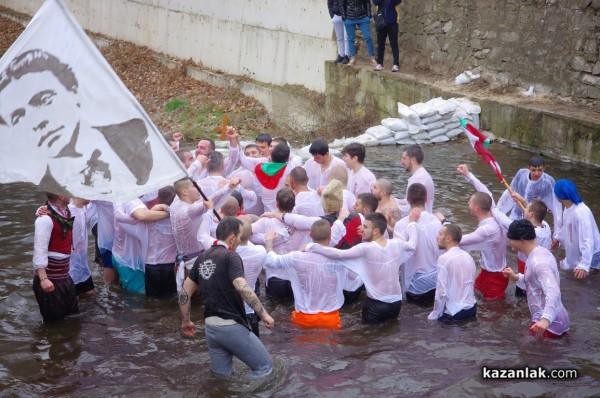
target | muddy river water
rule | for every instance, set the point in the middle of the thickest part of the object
(124, 345)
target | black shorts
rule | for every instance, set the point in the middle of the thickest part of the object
(85, 286)
(279, 289)
(375, 311)
(424, 299)
(160, 280)
(59, 303)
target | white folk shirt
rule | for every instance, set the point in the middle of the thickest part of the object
(542, 189)
(317, 282)
(79, 269)
(316, 175)
(348, 201)
(185, 221)
(131, 235)
(303, 223)
(216, 188)
(376, 265)
(360, 181)
(424, 260)
(197, 172)
(542, 283)
(41, 240)
(454, 289)
(253, 257)
(490, 240)
(247, 183)
(421, 176)
(161, 242)
(580, 238)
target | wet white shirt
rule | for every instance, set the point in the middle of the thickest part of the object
(106, 224)
(79, 269)
(308, 203)
(131, 235)
(580, 238)
(421, 176)
(185, 221)
(253, 257)
(316, 175)
(360, 181)
(377, 266)
(454, 289)
(542, 283)
(303, 223)
(161, 242)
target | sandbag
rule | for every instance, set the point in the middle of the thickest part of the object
(401, 135)
(406, 141)
(408, 114)
(415, 129)
(434, 126)
(379, 132)
(365, 139)
(431, 119)
(388, 141)
(423, 110)
(437, 132)
(454, 133)
(420, 136)
(440, 138)
(394, 124)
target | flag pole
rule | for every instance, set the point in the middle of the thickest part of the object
(521, 205)
(204, 197)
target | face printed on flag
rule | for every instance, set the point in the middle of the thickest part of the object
(74, 127)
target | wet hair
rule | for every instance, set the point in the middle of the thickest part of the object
(355, 149)
(52, 197)
(298, 175)
(483, 200)
(369, 200)
(385, 185)
(339, 173)
(264, 137)
(285, 200)
(539, 209)
(231, 207)
(35, 61)
(280, 154)
(215, 161)
(320, 230)
(537, 161)
(228, 226)
(415, 151)
(238, 196)
(166, 195)
(378, 220)
(318, 147)
(454, 232)
(416, 195)
(182, 184)
(521, 230)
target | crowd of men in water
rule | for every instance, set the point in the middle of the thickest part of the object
(323, 231)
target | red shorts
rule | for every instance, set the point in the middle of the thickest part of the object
(323, 320)
(521, 266)
(491, 284)
(547, 333)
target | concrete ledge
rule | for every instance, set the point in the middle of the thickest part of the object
(542, 129)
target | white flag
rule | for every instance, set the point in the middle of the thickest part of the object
(69, 124)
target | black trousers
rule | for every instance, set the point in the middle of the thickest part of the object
(375, 311)
(59, 303)
(160, 280)
(391, 31)
(424, 299)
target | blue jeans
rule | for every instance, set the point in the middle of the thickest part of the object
(226, 341)
(364, 24)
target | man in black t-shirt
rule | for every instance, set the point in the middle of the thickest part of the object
(219, 272)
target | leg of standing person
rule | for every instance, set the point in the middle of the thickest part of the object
(350, 37)
(340, 36)
(346, 45)
(381, 34)
(392, 29)
(365, 27)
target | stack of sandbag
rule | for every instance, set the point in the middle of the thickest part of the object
(436, 120)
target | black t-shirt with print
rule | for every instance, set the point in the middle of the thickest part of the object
(214, 271)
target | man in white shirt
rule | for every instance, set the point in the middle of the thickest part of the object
(307, 200)
(360, 179)
(412, 162)
(454, 297)
(321, 163)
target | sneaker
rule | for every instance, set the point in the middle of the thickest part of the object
(352, 61)
(379, 67)
(373, 62)
(395, 68)
(346, 60)
(339, 59)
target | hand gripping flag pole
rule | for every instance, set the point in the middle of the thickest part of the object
(480, 142)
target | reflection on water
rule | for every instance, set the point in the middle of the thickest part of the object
(121, 344)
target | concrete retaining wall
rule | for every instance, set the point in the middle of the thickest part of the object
(279, 42)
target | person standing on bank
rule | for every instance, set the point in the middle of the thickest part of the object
(358, 13)
(219, 272)
(391, 16)
(335, 12)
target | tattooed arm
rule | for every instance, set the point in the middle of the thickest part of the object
(252, 300)
(187, 326)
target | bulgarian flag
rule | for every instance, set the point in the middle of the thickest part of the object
(269, 174)
(480, 143)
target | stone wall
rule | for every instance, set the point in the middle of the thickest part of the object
(550, 44)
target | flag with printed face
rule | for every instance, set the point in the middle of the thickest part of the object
(68, 122)
(479, 142)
